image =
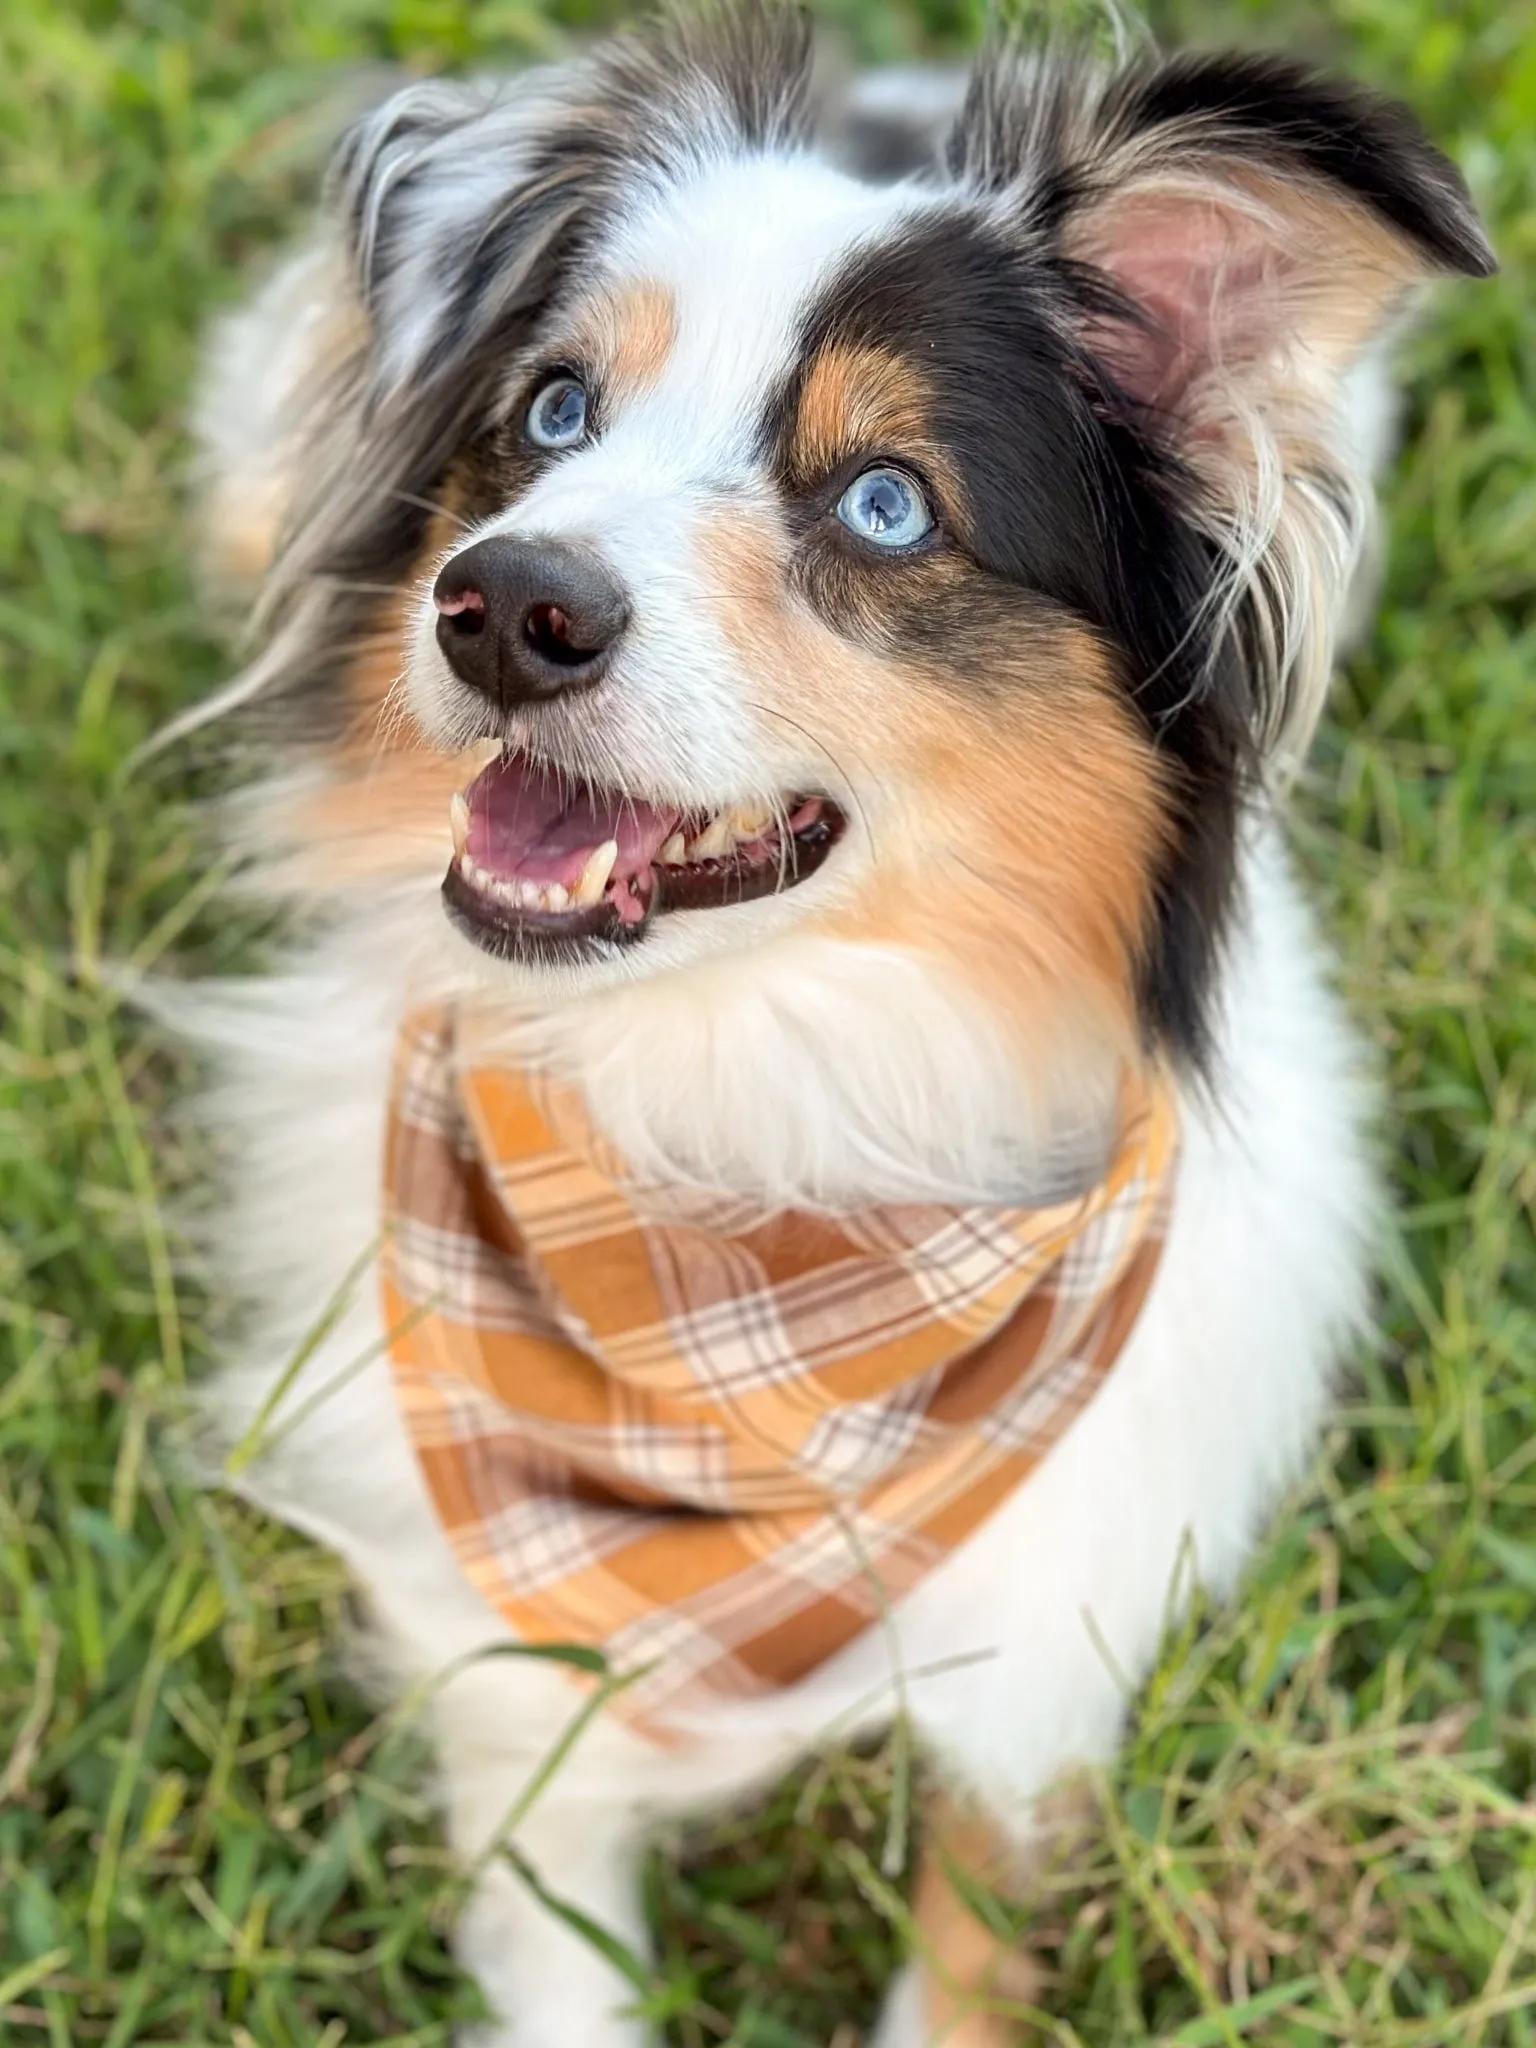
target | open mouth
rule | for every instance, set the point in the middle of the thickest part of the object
(541, 860)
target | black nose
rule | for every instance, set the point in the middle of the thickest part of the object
(523, 620)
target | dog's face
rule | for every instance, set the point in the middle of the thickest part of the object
(782, 582)
(928, 563)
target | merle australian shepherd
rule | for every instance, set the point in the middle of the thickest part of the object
(791, 607)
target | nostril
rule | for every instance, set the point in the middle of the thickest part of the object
(548, 623)
(547, 629)
(464, 611)
(521, 620)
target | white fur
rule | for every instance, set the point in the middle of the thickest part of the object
(1209, 1414)
(739, 249)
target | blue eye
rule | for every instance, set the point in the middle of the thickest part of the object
(886, 507)
(557, 417)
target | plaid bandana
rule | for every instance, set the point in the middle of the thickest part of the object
(712, 1443)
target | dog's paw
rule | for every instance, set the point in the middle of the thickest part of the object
(901, 2017)
(547, 2029)
(549, 1988)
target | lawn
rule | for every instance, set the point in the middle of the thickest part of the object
(1324, 1827)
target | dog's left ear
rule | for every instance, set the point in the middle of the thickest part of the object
(1254, 215)
(1233, 234)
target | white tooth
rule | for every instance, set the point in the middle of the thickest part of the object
(458, 819)
(750, 821)
(674, 852)
(715, 840)
(468, 868)
(593, 879)
(556, 896)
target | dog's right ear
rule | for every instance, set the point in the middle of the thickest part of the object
(456, 201)
(447, 208)
(462, 202)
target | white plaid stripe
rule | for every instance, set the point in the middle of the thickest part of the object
(691, 1466)
(537, 1542)
(746, 1340)
(468, 1281)
(821, 1563)
(427, 1102)
(860, 1442)
(840, 1556)
(581, 1220)
(459, 1414)
(669, 1639)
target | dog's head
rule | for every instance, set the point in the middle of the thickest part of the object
(933, 563)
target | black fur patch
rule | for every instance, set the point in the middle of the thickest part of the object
(957, 299)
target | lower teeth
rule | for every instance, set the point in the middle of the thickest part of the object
(722, 836)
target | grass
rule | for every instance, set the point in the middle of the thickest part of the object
(1324, 1826)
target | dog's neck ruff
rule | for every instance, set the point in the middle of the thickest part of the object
(711, 1443)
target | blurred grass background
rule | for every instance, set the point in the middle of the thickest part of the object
(1324, 1827)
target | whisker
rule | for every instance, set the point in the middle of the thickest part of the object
(430, 505)
(820, 746)
(780, 813)
(394, 714)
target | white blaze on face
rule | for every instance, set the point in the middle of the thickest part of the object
(739, 252)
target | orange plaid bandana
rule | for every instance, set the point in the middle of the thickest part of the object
(709, 1442)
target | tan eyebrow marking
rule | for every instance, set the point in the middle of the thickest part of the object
(630, 334)
(855, 398)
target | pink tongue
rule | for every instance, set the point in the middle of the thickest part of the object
(528, 822)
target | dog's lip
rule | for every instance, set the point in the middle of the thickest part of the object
(545, 865)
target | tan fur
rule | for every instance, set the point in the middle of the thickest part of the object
(630, 335)
(1020, 813)
(385, 820)
(852, 399)
(860, 401)
(964, 1966)
(242, 531)
(251, 415)
(1029, 829)
(380, 812)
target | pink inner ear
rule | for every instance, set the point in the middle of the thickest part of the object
(1207, 277)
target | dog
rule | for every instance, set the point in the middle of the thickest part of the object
(800, 1160)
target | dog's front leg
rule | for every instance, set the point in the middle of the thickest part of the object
(966, 1987)
(545, 1982)
(579, 1837)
